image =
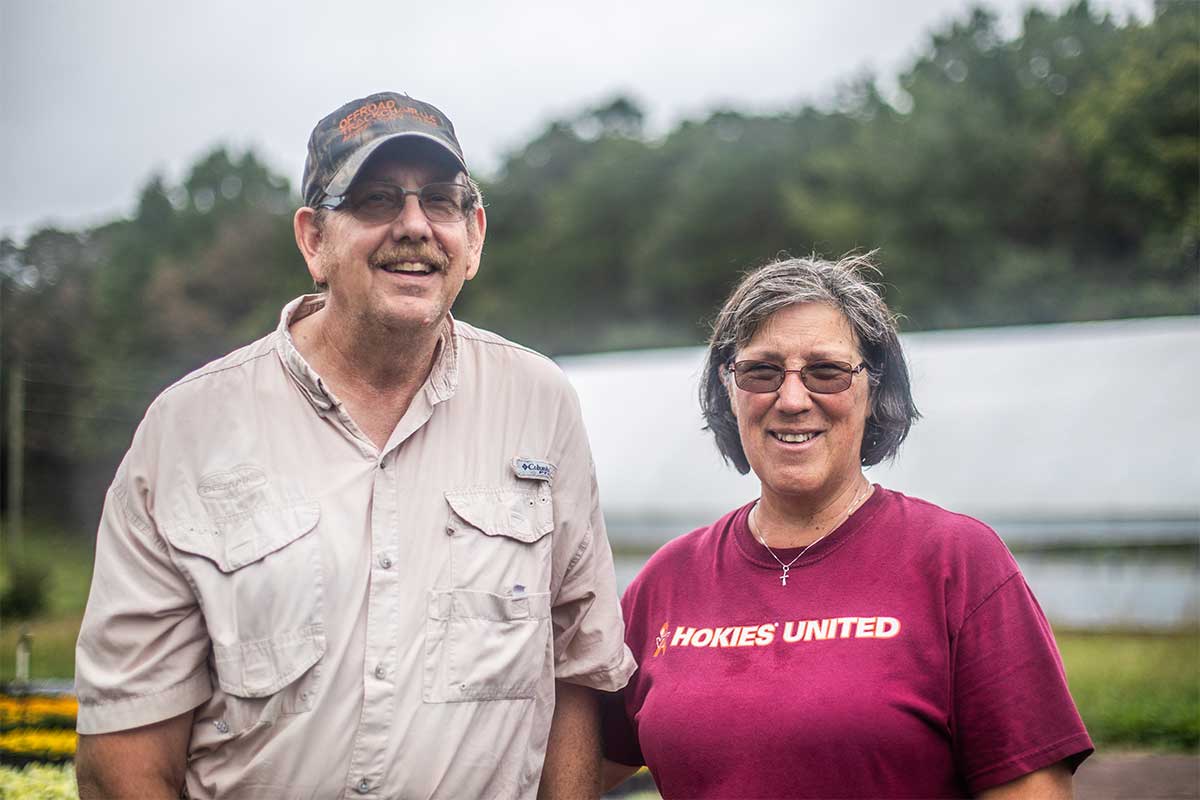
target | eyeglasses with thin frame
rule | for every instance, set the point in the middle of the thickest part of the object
(377, 203)
(821, 377)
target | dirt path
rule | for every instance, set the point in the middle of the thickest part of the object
(1138, 776)
(1120, 775)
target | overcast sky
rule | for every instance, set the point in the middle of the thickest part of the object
(96, 95)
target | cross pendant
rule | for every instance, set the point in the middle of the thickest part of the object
(783, 577)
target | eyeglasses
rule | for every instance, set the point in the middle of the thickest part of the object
(378, 203)
(822, 377)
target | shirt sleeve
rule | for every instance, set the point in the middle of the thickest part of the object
(143, 646)
(1013, 713)
(589, 634)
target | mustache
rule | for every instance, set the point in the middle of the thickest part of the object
(424, 253)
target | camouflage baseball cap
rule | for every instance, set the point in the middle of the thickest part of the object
(343, 141)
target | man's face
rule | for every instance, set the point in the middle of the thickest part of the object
(403, 274)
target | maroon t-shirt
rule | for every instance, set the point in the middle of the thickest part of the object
(905, 657)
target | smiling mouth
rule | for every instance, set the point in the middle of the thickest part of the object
(407, 268)
(794, 438)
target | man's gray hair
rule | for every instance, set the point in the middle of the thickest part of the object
(839, 284)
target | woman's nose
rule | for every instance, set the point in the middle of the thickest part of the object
(793, 396)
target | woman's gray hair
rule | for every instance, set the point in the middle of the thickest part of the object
(839, 284)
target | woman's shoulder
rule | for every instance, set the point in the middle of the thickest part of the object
(934, 524)
(968, 554)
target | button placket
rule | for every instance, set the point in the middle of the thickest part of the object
(379, 694)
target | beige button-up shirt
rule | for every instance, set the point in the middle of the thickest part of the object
(347, 621)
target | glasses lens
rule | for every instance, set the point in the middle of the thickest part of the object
(827, 377)
(757, 376)
(375, 203)
(444, 202)
(440, 202)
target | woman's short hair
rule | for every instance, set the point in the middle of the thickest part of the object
(839, 284)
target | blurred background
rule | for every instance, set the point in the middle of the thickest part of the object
(1028, 174)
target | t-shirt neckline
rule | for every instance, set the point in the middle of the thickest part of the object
(753, 551)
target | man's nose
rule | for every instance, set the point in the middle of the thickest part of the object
(411, 222)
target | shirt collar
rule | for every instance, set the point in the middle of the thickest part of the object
(440, 385)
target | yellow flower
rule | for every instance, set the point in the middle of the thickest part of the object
(51, 745)
(36, 711)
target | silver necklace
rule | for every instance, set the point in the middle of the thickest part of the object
(850, 509)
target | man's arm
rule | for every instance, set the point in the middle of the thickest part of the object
(148, 762)
(1054, 782)
(572, 769)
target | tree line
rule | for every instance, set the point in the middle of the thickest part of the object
(1045, 176)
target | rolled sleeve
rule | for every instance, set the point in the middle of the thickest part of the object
(589, 633)
(143, 647)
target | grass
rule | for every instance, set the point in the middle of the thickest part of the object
(1133, 690)
(1136, 690)
(69, 574)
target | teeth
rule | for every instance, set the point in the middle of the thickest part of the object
(409, 267)
(794, 438)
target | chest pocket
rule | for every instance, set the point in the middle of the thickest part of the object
(488, 636)
(498, 538)
(258, 579)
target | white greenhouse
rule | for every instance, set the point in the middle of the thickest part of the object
(1062, 437)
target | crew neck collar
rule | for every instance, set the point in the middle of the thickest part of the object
(753, 550)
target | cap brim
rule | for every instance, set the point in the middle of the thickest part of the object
(345, 176)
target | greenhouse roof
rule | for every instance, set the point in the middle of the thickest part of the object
(1045, 426)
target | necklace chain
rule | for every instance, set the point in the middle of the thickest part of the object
(858, 500)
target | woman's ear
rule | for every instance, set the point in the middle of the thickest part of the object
(730, 389)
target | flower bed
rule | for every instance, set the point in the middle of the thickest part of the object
(37, 729)
(40, 781)
(37, 711)
(25, 745)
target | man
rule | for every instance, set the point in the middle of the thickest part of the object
(363, 556)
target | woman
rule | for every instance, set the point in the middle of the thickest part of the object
(833, 638)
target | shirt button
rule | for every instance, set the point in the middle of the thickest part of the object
(385, 562)
(380, 672)
(221, 725)
(363, 787)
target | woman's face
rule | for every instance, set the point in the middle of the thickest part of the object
(803, 446)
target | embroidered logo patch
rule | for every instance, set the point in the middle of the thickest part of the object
(235, 482)
(535, 470)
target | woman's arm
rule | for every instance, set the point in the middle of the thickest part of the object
(1054, 782)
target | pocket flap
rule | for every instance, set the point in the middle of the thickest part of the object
(467, 604)
(236, 542)
(524, 515)
(263, 667)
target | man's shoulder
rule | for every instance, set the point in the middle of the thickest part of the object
(233, 367)
(489, 347)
